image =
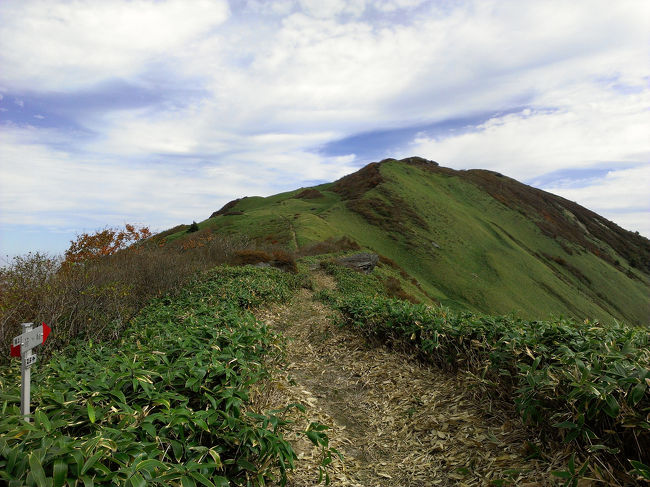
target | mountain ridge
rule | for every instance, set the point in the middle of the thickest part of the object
(473, 239)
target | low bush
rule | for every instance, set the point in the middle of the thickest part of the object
(350, 282)
(394, 289)
(251, 257)
(582, 381)
(167, 404)
(389, 262)
(95, 298)
(285, 261)
(329, 246)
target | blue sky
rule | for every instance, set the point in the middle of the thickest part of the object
(159, 112)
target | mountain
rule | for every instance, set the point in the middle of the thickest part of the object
(474, 239)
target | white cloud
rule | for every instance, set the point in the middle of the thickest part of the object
(595, 128)
(621, 196)
(599, 128)
(274, 7)
(87, 41)
(56, 186)
(394, 5)
(332, 8)
(318, 69)
(275, 80)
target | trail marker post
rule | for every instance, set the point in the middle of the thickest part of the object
(22, 347)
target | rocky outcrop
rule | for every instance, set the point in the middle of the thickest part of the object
(364, 262)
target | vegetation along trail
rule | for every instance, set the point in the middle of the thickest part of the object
(396, 422)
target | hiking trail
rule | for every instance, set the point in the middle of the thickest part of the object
(396, 421)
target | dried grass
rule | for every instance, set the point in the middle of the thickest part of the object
(396, 422)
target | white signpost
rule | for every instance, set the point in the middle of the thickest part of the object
(22, 347)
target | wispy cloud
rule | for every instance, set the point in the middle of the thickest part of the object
(541, 140)
(91, 41)
(160, 111)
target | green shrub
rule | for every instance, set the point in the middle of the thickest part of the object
(167, 404)
(582, 381)
(95, 299)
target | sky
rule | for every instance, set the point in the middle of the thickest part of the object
(159, 112)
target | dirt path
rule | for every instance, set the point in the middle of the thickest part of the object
(397, 423)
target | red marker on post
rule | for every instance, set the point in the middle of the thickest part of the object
(42, 330)
(22, 347)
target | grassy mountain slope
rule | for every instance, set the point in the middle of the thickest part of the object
(472, 239)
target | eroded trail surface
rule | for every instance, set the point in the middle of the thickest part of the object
(396, 422)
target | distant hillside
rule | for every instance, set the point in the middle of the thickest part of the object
(473, 239)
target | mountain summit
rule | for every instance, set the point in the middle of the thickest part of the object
(472, 239)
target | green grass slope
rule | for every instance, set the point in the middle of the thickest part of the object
(474, 240)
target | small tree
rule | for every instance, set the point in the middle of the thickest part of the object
(103, 242)
(194, 227)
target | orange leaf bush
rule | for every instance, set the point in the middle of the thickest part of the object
(103, 280)
(89, 246)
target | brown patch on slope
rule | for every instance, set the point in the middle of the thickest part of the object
(389, 214)
(572, 269)
(550, 213)
(309, 194)
(388, 211)
(329, 246)
(226, 208)
(387, 261)
(394, 289)
(355, 185)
